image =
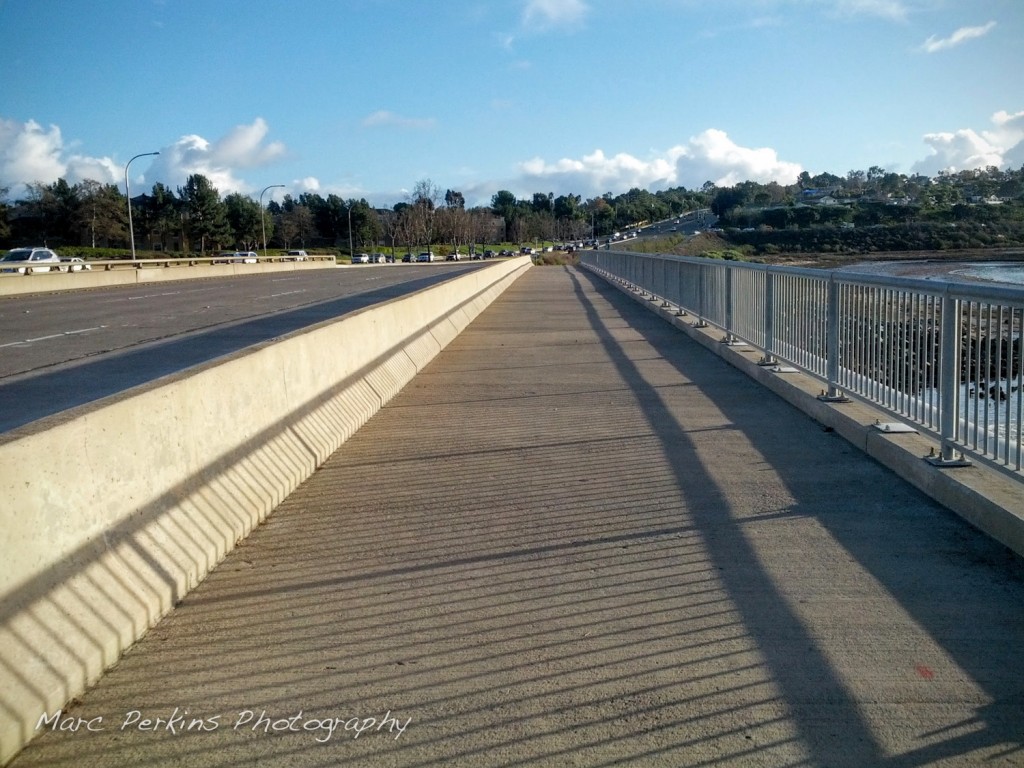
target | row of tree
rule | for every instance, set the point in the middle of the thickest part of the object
(194, 218)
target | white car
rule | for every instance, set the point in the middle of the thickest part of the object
(426, 256)
(297, 256)
(74, 264)
(27, 261)
(361, 258)
(245, 257)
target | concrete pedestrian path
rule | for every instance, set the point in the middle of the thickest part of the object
(579, 538)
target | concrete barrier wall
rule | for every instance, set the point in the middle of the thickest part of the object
(50, 282)
(112, 512)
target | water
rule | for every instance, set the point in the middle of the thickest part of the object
(994, 272)
(1004, 272)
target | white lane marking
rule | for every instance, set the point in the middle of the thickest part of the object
(60, 335)
(85, 330)
(153, 295)
(285, 293)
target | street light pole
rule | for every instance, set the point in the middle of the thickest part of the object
(351, 252)
(128, 194)
(263, 222)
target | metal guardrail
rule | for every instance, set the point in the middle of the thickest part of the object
(195, 261)
(943, 357)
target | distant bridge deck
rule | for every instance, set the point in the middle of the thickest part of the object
(579, 538)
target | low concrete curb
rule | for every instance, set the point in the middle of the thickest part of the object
(985, 497)
(112, 512)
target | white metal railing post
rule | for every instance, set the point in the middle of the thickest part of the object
(730, 337)
(833, 394)
(702, 292)
(949, 382)
(769, 320)
(679, 289)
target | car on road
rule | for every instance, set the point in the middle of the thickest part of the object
(74, 264)
(407, 259)
(361, 258)
(426, 256)
(27, 261)
(378, 258)
(236, 257)
(297, 256)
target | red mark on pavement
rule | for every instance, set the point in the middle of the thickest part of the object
(924, 671)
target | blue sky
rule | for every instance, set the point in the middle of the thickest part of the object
(365, 98)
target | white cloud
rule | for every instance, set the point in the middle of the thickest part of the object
(243, 147)
(219, 161)
(187, 156)
(1009, 132)
(966, 149)
(547, 14)
(28, 154)
(713, 156)
(710, 156)
(895, 10)
(962, 35)
(102, 169)
(959, 150)
(383, 117)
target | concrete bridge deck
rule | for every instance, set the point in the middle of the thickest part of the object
(579, 538)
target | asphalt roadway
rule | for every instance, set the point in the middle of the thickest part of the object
(61, 350)
(578, 538)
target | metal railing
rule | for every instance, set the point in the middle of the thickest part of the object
(106, 265)
(943, 357)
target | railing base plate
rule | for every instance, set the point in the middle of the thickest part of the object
(938, 461)
(834, 398)
(893, 427)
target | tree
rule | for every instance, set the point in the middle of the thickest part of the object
(101, 216)
(422, 205)
(48, 213)
(505, 205)
(205, 216)
(365, 224)
(726, 199)
(243, 216)
(331, 217)
(602, 216)
(5, 227)
(163, 217)
(295, 223)
(485, 227)
(454, 200)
